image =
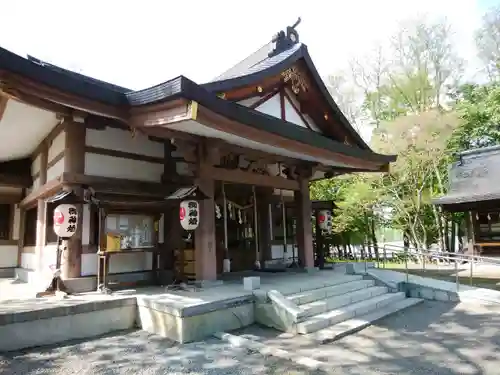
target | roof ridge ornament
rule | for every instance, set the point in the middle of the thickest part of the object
(285, 41)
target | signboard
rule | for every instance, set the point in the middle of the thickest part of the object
(65, 220)
(189, 214)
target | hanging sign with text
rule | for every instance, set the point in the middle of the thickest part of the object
(189, 214)
(65, 220)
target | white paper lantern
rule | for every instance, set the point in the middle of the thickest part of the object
(325, 220)
(189, 214)
(65, 220)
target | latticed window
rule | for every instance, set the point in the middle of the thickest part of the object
(5, 221)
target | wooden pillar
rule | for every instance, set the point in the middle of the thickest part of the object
(304, 225)
(320, 249)
(74, 162)
(263, 200)
(205, 245)
(41, 210)
(20, 242)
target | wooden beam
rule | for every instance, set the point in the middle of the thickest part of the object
(248, 178)
(118, 185)
(56, 130)
(10, 198)
(264, 99)
(3, 105)
(10, 180)
(249, 153)
(24, 86)
(43, 192)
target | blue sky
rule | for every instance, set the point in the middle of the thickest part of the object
(487, 4)
(141, 43)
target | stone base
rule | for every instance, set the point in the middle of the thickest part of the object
(53, 325)
(9, 272)
(27, 275)
(208, 283)
(185, 329)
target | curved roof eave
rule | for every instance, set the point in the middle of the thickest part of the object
(299, 53)
(61, 79)
(181, 87)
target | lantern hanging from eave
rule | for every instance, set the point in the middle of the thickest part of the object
(65, 220)
(325, 220)
(189, 214)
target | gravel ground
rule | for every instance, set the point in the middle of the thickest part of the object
(430, 338)
(138, 352)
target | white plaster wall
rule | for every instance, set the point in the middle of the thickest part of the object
(110, 166)
(57, 146)
(271, 107)
(49, 258)
(122, 140)
(8, 256)
(56, 170)
(291, 114)
(125, 262)
(28, 260)
(89, 264)
(36, 184)
(86, 225)
(16, 223)
(35, 166)
(182, 169)
(249, 101)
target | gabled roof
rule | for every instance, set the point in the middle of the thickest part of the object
(181, 87)
(263, 63)
(271, 63)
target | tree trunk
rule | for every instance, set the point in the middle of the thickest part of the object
(447, 231)
(374, 238)
(439, 225)
(406, 240)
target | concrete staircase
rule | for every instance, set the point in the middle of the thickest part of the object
(345, 304)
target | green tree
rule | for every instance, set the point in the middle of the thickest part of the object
(479, 109)
(488, 42)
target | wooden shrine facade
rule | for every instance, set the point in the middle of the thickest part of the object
(254, 137)
(473, 189)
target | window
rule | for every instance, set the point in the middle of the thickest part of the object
(30, 220)
(129, 231)
(5, 221)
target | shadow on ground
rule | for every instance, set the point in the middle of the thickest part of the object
(430, 338)
(137, 352)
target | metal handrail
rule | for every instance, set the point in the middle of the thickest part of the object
(451, 257)
(477, 257)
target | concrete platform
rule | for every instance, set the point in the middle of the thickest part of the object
(180, 315)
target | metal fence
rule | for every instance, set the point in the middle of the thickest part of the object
(428, 263)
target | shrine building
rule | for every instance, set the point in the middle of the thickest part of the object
(245, 146)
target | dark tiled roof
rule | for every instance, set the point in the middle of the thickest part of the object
(254, 58)
(253, 70)
(185, 88)
(263, 63)
(62, 79)
(459, 198)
